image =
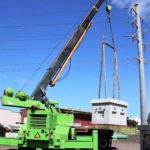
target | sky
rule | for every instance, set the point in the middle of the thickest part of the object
(30, 30)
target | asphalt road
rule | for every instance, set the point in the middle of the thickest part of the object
(132, 143)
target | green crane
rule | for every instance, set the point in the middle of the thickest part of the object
(47, 127)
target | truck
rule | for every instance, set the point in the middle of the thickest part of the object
(47, 127)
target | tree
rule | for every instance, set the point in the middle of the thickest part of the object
(131, 123)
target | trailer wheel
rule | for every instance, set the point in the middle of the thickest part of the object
(103, 143)
(104, 139)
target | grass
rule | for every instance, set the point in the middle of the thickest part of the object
(123, 130)
(126, 130)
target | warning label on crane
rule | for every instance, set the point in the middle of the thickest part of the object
(37, 135)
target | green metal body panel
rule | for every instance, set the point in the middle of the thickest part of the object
(82, 142)
(8, 141)
(47, 128)
(15, 102)
(90, 142)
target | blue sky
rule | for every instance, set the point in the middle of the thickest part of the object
(31, 29)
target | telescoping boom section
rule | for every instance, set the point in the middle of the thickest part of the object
(53, 72)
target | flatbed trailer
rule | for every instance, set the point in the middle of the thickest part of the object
(81, 142)
(47, 128)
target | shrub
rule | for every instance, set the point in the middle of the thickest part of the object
(132, 123)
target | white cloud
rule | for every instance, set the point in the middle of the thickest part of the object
(144, 5)
(121, 4)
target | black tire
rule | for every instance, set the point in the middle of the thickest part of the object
(104, 139)
(103, 144)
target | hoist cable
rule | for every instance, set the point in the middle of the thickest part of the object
(103, 63)
(67, 73)
(115, 68)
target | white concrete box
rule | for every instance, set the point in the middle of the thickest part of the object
(109, 112)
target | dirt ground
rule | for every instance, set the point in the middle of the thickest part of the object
(7, 148)
(132, 143)
(125, 145)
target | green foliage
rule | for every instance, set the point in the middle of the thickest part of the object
(121, 130)
(131, 123)
(125, 130)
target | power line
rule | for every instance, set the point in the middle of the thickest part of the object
(23, 49)
(18, 65)
(41, 49)
(36, 25)
(84, 63)
(123, 34)
(47, 48)
(46, 58)
(59, 37)
(45, 39)
(53, 24)
(42, 14)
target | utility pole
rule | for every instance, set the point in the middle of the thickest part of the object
(141, 68)
(143, 106)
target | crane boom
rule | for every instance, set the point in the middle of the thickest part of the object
(65, 54)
